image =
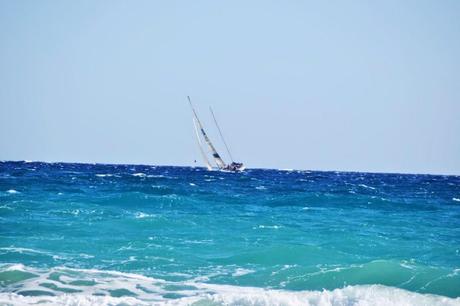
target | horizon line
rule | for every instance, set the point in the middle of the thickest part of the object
(255, 168)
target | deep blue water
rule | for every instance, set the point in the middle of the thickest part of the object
(82, 233)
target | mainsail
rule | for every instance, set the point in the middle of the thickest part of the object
(206, 161)
(220, 163)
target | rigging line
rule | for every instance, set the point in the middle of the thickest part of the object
(193, 110)
(206, 161)
(221, 135)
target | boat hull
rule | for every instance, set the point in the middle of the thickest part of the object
(234, 167)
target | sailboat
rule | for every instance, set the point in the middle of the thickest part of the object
(220, 163)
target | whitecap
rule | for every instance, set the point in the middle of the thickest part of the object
(141, 215)
(14, 267)
(456, 199)
(205, 241)
(19, 250)
(86, 256)
(366, 186)
(28, 251)
(57, 257)
(12, 191)
(261, 188)
(350, 295)
(242, 271)
(285, 267)
(192, 184)
(268, 226)
(103, 175)
(407, 265)
(139, 174)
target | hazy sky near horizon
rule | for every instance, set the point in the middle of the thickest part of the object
(325, 85)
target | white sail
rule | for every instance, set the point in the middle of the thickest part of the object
(206, 161)
(221, 135)
(220, 163)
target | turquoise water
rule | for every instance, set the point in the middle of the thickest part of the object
(123, 234)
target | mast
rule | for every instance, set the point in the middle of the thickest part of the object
(206, 161)
(221, 135)
(220, 163)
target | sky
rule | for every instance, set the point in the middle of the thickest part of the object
(368, 86)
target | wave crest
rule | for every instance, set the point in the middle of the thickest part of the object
(64, 286)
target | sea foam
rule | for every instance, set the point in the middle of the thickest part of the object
(65, 286)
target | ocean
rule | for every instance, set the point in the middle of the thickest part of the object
(97, 234)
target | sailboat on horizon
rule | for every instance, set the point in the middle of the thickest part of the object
(220, 163)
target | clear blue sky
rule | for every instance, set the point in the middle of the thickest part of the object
(327, 85)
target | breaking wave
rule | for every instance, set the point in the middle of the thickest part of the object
(66, 286)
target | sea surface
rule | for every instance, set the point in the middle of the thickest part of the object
(96, 234)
